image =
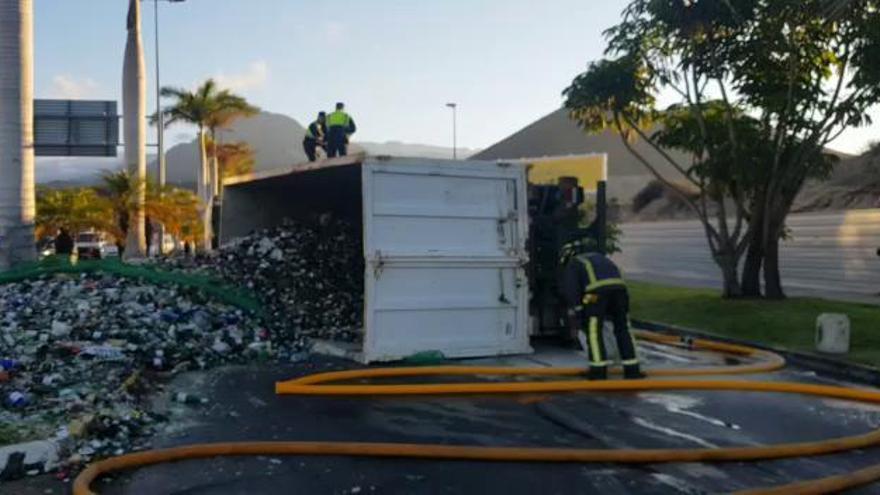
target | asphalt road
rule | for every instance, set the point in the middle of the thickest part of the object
(831, 255)
(243, 407)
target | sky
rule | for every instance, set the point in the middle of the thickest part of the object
(395, 63)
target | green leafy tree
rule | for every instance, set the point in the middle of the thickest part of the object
(73, 209)
(177, 209)
(763, 86)
(108, 208)
(586, 214)
(620, 94)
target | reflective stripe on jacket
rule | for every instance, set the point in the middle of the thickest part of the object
(315, 131)
(601, 272)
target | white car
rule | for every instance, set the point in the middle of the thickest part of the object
(93, 245)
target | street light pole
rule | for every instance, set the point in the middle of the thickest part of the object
(160, 121)
(454, 107)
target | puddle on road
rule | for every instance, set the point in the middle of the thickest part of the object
(682, 404)
(680, 486)
(666, 354)
(862, 411)
(644, 423)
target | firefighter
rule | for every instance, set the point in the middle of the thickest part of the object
(594, 291)
(340, 126)
(316, 133)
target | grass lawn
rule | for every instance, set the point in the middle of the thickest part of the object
(789, 324)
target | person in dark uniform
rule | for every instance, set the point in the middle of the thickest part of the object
(594, 291)
(64, 243)
(316, 133)
(340, 126)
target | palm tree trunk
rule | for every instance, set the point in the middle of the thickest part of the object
(204, 192)
(215, 179)
(17, 208)
(215, 165)
(134, 91)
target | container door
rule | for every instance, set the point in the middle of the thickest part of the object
(445, 251)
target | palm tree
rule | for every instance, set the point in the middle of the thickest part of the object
(209, 109)
(134, 89)
(16, 132)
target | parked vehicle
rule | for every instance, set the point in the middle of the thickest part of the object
(94, 245)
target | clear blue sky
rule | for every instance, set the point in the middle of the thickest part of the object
(394, 62)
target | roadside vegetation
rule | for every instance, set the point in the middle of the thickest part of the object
(759, 90)
(789, 324)
(108, 207)
(211, 109)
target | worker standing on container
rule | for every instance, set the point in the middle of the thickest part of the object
(340, 126)
(316, 134)
(594, 290)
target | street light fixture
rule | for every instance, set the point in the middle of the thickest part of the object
(454, 107)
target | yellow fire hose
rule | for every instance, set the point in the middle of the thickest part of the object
(312, 385)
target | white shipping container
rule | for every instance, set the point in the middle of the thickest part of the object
(444, 246)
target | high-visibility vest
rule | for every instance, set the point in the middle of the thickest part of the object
(601, 272)
(310, 134)
(338, 119)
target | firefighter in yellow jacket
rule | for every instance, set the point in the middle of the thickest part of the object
(594, 291)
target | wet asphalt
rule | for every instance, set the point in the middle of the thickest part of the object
(242, 407)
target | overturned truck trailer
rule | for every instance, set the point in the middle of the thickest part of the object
(444, 245)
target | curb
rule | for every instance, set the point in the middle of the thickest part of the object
(820, 364)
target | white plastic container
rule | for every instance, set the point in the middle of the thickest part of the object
(832, 333)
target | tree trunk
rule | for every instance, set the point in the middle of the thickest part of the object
(215, 187)
(204, 193)
(215, 168)
(729, 275)
(17, 209)
(772, 277)
(751, 274)
(134, 91)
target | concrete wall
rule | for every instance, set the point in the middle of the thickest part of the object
(828, 254)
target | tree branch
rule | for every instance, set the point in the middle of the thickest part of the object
(731, 131)
(659, 150)
(815, 141)
(622, 132)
